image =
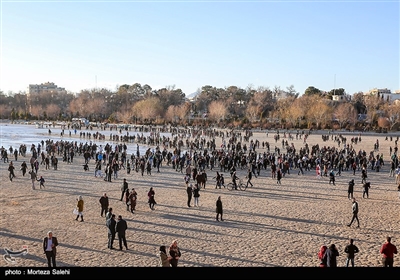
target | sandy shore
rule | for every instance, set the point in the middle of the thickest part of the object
(268, 225)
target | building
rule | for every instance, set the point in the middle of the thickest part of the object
(34, 89)
(341, 98)
(385, 93)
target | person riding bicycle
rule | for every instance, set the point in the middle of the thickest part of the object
(234, 178)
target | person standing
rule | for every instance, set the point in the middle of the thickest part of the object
(300, 165)
(331, 255)
(109, 214)
(388, 250)
(351, 250)
(164, 259)
(132, 200)
(152, 200)
(104, 203)
(350, 189)
(124, 187)
(278, 176)
(79, 205)
(189, 191)
(175, 253)
(355, 213)
(219, 209)
(321, 254)
(196, 194)
(121, 227)
(111, 225)
(49, 247)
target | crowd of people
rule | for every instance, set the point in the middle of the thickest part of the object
(201, 156)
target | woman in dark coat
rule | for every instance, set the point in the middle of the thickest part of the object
(219, 208)
(175, 253)
(330, 256)
(152, 201)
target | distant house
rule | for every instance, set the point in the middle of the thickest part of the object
(385, 94)
(341, 98)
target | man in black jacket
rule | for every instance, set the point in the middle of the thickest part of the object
(49, 247)
(124, 188)
(351, 250)
(111, 224)
(121, 228)
(104, 204)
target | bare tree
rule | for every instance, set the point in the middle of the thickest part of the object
(148, 109)
(345, 112)
(217, 110)
(52, 111)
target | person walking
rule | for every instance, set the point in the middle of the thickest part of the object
(350, 189)
(219, 209)
(104, 203)
(364, 175)
(151, 194)
(355, 213)
(11, 169)
(249, 177)
(80, 208)
(111, 225)
(24, 167)
(124, 187)
(332, 177)
(121, 227)
(196, 194)
(366, 187)
(388, 250)
(50, 244)
(330, 256)
(41, 180)
(351, 250)
(189, 191)
(127, 201)
(175, 253)
(33, 178)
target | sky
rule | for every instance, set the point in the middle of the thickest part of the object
(186, 45)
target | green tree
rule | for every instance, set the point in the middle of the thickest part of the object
(312, 91)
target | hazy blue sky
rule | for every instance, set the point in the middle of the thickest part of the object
(189, 44)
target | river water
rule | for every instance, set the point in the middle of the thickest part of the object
(14, 135)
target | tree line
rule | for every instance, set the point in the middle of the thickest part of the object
(226, 107)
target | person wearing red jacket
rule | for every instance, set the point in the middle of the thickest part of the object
(388, 250)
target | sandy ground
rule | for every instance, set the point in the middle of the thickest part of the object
(268, 225)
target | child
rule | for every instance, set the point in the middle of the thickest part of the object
(41, 180)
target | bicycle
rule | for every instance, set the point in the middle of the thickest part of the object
(240, 185)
